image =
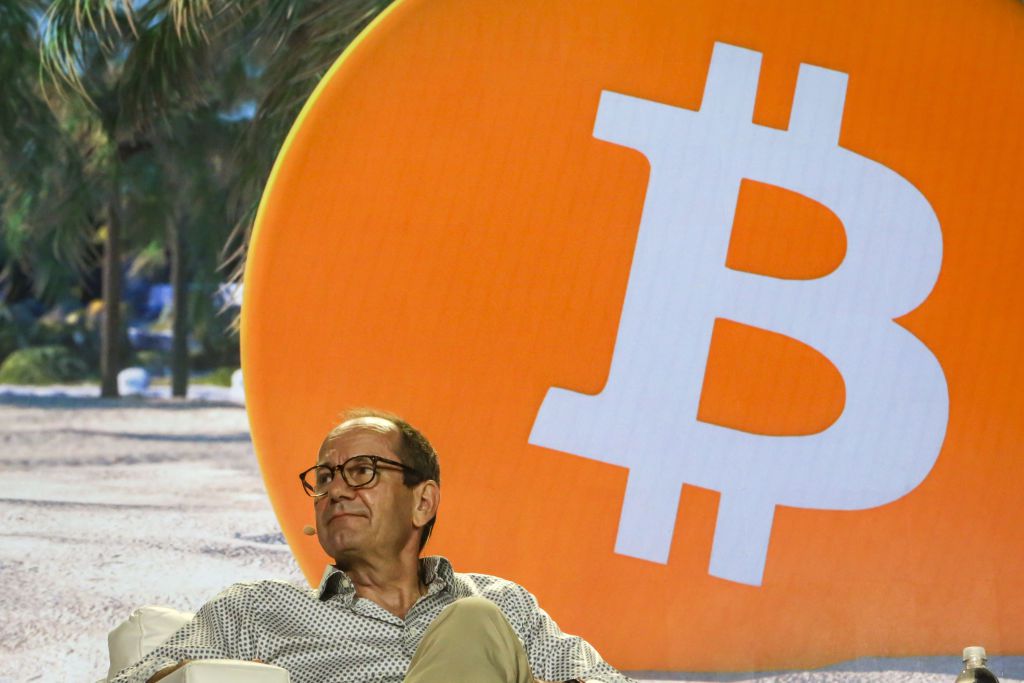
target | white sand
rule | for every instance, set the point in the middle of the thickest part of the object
(153, 501)
(147, 502)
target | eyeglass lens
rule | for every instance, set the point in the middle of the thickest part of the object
(358, 471)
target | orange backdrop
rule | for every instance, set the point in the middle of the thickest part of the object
(444, 237)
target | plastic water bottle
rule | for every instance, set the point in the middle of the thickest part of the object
(974, 667)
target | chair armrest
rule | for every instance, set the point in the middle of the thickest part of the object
(227, 671)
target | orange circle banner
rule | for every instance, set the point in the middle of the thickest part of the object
(711, 309)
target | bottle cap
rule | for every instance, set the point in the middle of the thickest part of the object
(975, 652)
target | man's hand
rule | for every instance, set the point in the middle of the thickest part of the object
(168, 671)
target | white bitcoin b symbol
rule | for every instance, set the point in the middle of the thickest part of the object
(894, 420)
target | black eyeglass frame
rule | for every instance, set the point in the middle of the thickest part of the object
(375, 461)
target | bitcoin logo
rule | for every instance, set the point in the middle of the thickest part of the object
(893, 424)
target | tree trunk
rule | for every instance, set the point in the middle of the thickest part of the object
(179, 330)
(110, 334)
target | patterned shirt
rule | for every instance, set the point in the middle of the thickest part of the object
(332, 635)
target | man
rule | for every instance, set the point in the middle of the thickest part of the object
(381, 613)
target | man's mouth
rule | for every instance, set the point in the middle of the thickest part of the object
(343, 513)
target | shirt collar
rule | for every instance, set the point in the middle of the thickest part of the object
(334, 582)
(437, 575)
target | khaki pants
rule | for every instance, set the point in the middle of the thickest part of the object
(470, 641)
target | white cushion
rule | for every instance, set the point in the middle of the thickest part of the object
(150, 626)
(146, 628)
(227, 671)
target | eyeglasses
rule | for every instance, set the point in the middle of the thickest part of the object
(358, 472)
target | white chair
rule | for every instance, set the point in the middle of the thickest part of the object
(149, 626)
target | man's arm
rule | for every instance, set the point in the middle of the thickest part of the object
(221, 629)
(558, 656)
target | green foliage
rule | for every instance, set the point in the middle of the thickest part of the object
(8, 338)
(155, 362)
(45, 210)
(15, 325)
(76, 329)
(51, 332)
(213, 331)
(220, 377)
(162, 117)
(42, 365)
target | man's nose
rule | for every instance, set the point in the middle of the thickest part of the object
(339, 488)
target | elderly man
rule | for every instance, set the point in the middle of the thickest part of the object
(381, 613)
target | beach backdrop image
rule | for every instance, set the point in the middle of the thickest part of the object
(709, 308)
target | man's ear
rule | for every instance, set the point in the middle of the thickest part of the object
(427, 500)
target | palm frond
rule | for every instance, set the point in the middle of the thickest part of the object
(164, 68)
(71, 29)
(189, 16)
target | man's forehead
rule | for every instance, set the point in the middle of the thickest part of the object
(369, 422)
(358, 429)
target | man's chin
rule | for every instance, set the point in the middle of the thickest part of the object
(338, 545)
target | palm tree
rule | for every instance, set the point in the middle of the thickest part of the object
(134, 74)
(151, 71)
(181, 188)
(85, 51)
